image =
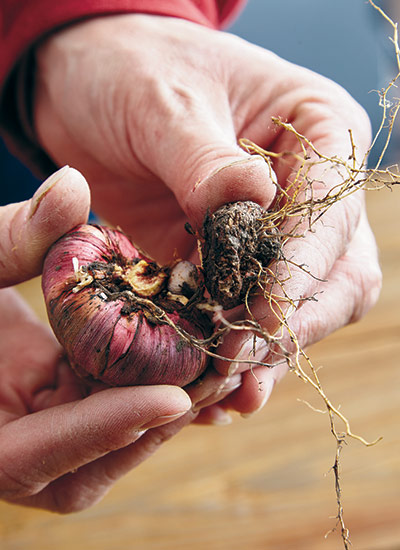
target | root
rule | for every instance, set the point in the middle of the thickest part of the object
(300, 209)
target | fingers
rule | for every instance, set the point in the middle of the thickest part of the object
(214, 415)
(217, 178)
(247, 398)
(85, 486)
(39, 448)
(211, 387)
(256, 389)
(307, 261)
(200, 161)
(245, 393)
(351, 288)
(29, 228)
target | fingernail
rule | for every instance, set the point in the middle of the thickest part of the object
(254, 349)
(138, 434)
(267, 387)
(222, 418)
(231, 384)
(46, 186)
(160, 420)
(230, 164)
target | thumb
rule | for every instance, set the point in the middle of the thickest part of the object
(41, 447)
(199, 159)
(227, 179)
(30, 227)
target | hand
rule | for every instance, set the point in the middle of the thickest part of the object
(61, 446)
(151, 108)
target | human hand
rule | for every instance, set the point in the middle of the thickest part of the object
(151, 110)
(62, 446)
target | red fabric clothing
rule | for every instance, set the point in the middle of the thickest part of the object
(24, 22)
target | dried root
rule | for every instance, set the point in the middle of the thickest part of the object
(232, 275)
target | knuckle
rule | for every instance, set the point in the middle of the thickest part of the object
(337, 96)
(154, 439)
(12, 489)
(337, 109)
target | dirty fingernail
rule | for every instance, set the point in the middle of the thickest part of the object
(221, 418)
(46, 186)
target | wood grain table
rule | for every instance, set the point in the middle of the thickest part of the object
(264, 482)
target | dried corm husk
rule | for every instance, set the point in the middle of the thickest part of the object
(238, 244)
(112, 310)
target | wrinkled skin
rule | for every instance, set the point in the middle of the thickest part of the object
(149, 109)
(63, 444)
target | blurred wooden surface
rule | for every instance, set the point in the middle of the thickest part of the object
(264, 482)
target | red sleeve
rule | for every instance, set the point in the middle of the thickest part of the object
(24, 22)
